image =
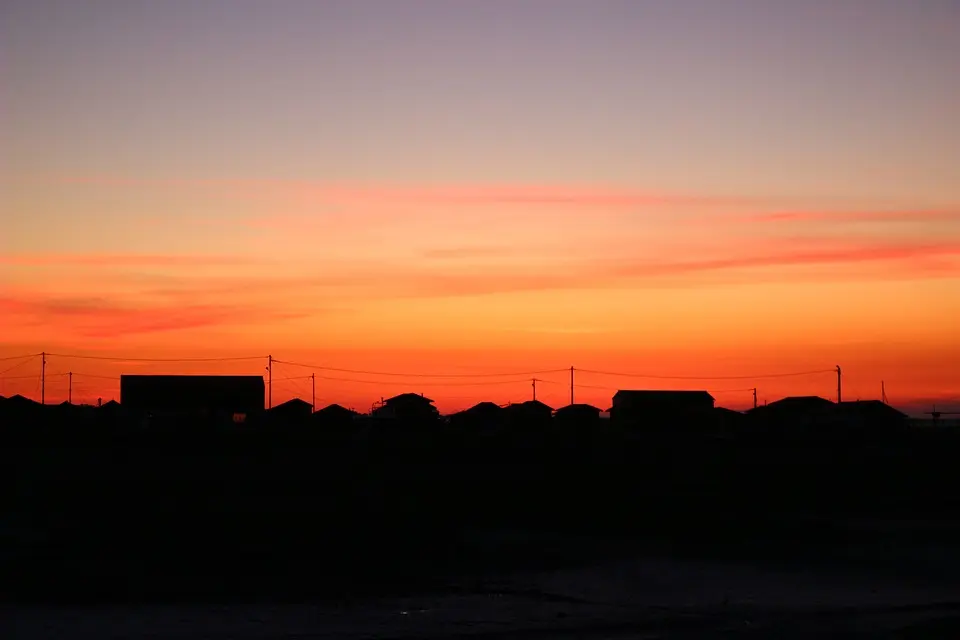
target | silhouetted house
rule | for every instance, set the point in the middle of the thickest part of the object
(641, 408)
(482, 416)
(295, 410)
(191, 397)
(868, 415)
(796, 413)
(18, 408)
(577, 415)
(335, 416)
(529, 413)
(408, 408)
(729, 422)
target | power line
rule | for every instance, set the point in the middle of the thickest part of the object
(753, 377)
(19, 364)
(29, 355)
(119, 359)
(419, 375)
(431, 383)
(93, 375)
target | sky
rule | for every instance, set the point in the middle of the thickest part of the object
(676, 189)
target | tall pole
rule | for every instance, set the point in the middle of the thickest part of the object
(269, 382)
(43, 378)
(571, 385)
(839, 385)
(70, 389)
(883, 392)
(313, 385)
(534, 381)
(754, 397)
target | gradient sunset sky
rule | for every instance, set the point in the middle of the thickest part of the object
(676, 188)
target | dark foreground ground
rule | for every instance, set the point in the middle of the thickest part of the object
(427, 536)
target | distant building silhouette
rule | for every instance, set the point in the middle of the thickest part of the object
(18, 408)
(175, 396)
(407, 407)
(295, 410)
(335, 415)
(483, 416)
(870, 415)
(796, 413)
(577, 415)
(531, 413)
(642, 408)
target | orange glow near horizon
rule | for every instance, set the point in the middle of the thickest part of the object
(493, 279)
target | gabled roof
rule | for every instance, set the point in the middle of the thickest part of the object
(294, 402)
(481, 407)
(873, 407)
(800, 403)
(407, 397)
(579, 407)
(531, 405)
(22, 401)
(335, 408)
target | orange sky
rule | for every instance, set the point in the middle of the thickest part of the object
(488, 279)
(682, 188)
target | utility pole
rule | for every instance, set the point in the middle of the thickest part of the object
(883, 392)
(70, 389)
(313, 385)
(269, 382)
(839, 385)
(754, 397)
(534, 389)
(43, 378)
(571, 385)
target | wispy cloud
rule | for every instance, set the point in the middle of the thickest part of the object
(833, 253)
(904, 215)
(95, 317)
(505, 194)
(122, 260)
(467, 252)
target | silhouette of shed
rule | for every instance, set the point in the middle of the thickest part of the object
(633, 408)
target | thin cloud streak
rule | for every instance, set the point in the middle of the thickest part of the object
(905, 215)
(122, 260)
(89, 317)
(480, 194)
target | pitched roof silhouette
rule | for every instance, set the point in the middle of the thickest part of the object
(22, 401)
(873, 408)
(406, 397)
(579, 407)
(531, 405)
(483, 407)
(335, 409)
(298, 403)
(799, 403)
